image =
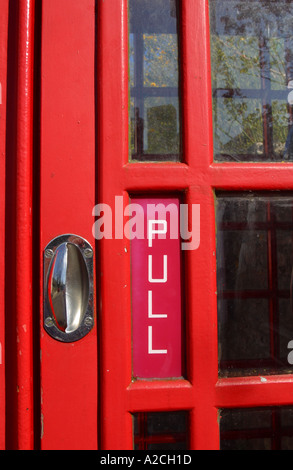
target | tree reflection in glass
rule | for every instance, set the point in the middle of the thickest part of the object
(252, 73)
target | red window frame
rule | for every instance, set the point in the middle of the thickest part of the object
(203, 393)
(191, 178)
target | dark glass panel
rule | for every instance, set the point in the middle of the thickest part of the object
(161, 431)
(257, 429)
(254, 276)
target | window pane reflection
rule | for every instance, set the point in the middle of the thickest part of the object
(254, 275)
(154, 80)
(257, 429)
(252, 76)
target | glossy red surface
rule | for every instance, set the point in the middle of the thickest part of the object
(3, 72)
(87, 392)
(69, 396)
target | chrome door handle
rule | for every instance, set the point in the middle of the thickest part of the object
(68, 288)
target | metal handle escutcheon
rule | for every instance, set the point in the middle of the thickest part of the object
(68, 288)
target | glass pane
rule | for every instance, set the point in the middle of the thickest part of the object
(254, 275)
(161, 431)
(252, 73)
(154, 80)
(257, 429)
(238, 128)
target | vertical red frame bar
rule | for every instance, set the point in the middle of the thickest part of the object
(69, 382)
(115, 302)
(18, 241)
(201, 264)
(24, 189)
(3, 74)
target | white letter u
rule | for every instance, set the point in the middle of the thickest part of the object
(164, 279)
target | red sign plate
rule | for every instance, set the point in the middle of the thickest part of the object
(156, 289)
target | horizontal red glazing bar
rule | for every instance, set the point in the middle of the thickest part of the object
(231, 177)
(255, 177)
(254, 391)
(167, 395)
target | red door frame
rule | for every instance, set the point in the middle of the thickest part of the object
(119, 177)
(78, 398)
(69, 382)
(3, 73)
(23, 232)
(17, 174)
(198, 179)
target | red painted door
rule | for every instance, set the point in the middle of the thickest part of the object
(74, 151)
(161, 341)
(91, 395)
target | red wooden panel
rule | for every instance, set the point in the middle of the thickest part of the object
(3, 72)
(68, 371)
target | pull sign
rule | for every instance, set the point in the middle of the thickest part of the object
(68, 288)
(156, 290)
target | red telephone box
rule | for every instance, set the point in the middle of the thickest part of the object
(168, 340)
